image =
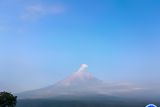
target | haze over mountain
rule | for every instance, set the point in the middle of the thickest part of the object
(81, 83)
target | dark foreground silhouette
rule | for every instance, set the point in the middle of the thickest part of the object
(7, 99)
(85, 102)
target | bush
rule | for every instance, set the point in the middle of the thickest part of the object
(7, 99)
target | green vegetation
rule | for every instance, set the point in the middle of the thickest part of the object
(7, 99)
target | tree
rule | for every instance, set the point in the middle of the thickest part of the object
(7, 99)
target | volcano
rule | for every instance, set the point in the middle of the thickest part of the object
(80, 83)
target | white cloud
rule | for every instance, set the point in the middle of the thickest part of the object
(37, 11)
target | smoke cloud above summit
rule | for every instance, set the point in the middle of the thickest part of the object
(83, 67)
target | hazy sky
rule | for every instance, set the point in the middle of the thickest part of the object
(43, 41)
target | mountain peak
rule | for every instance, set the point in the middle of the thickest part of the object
(80, 76)
(82, 73)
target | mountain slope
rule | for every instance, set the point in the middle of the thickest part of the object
(80, 83)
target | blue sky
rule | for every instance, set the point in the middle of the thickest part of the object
(43, 41)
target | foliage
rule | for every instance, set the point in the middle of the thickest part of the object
(7, 99)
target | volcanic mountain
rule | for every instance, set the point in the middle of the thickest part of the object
(80, 83)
